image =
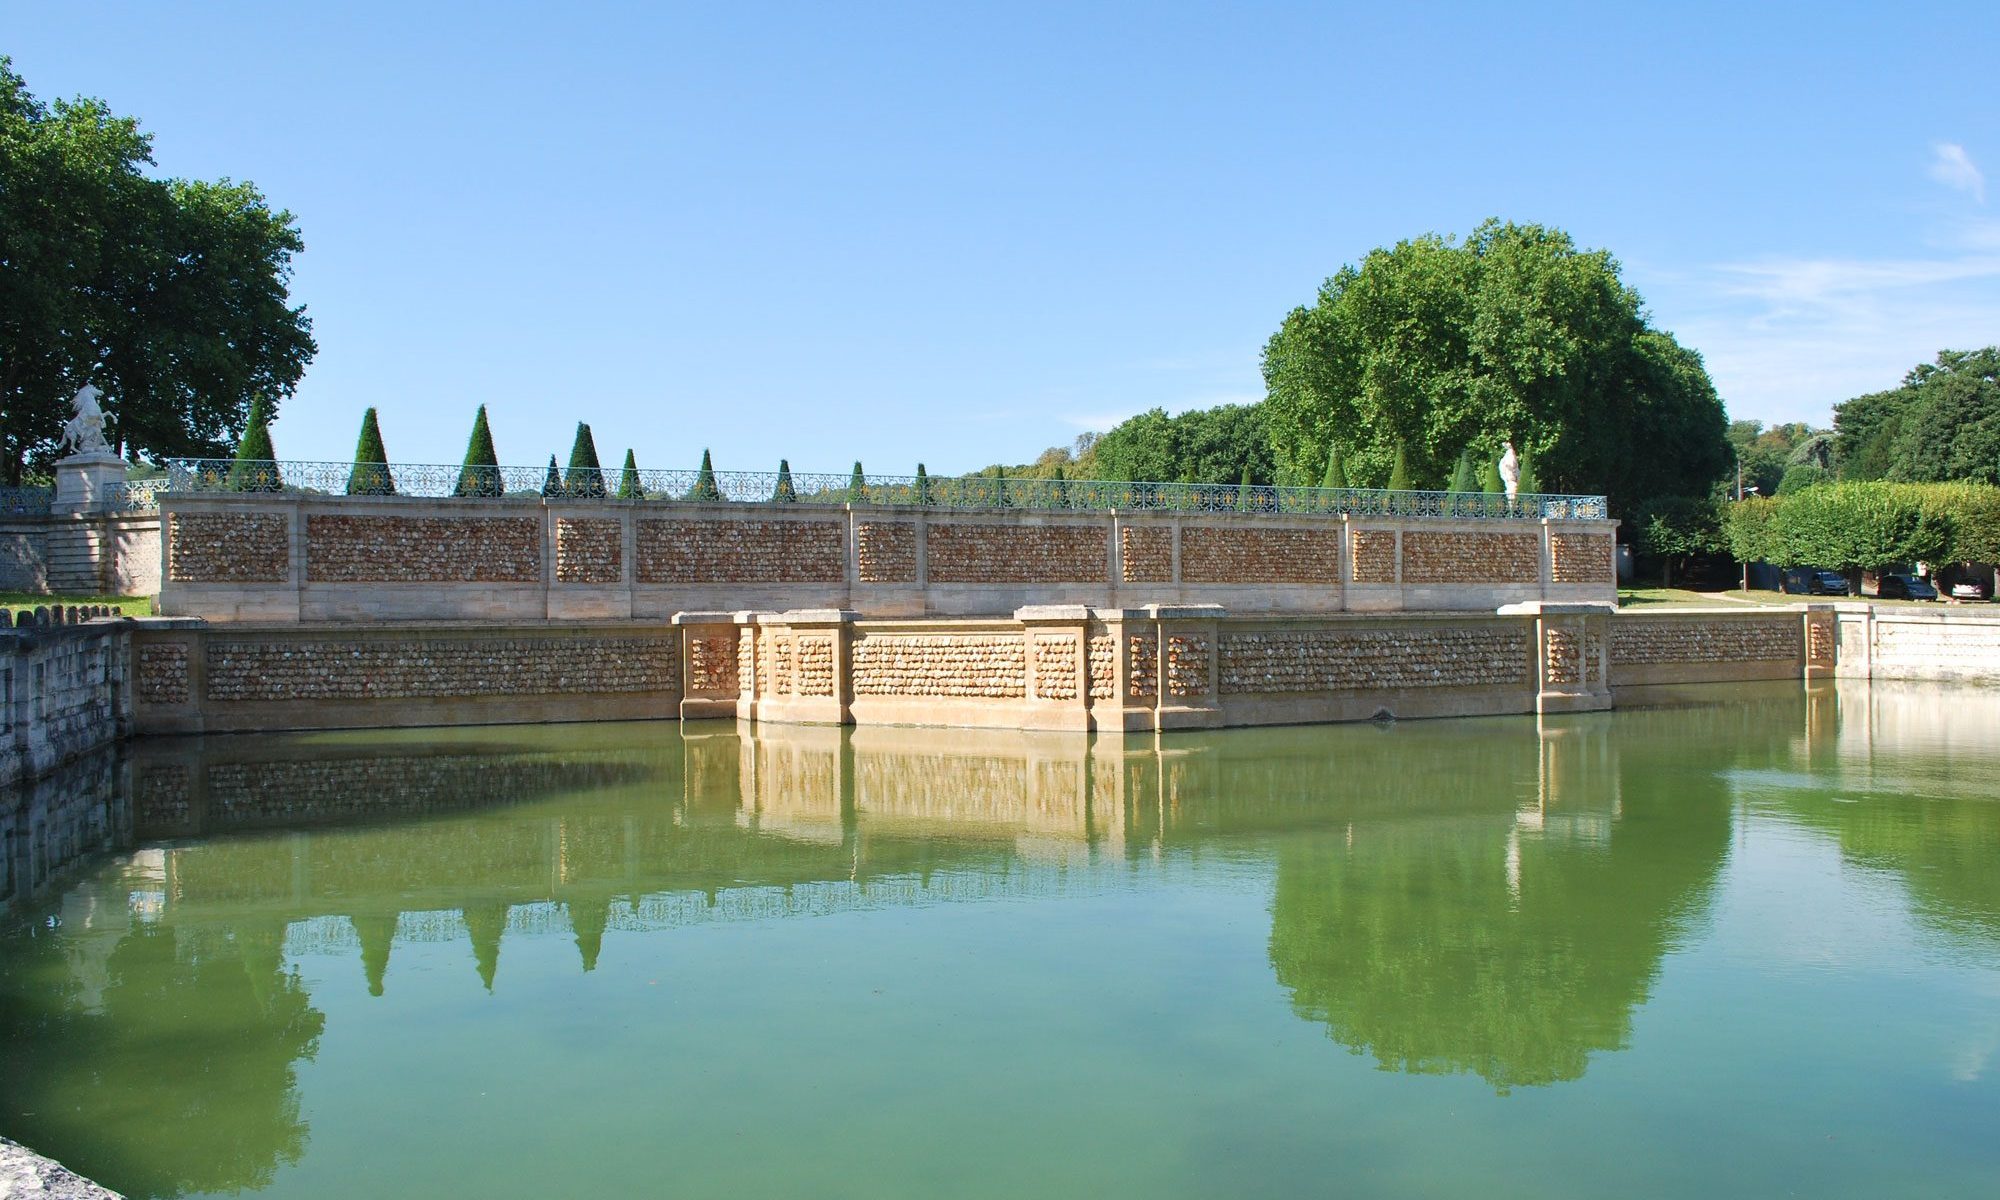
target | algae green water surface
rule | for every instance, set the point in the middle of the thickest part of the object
(1745, 948)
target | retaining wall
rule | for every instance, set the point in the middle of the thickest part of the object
(81, 553)
(63, 692)
(307, 558)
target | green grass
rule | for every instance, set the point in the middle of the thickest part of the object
(129, 606)
(1641, 597)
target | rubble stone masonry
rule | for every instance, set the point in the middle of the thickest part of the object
(815, 676)
(1103, 666)
(1374, 556)
(163, 673)
(711, 664)
(356, 669)
(886, 551)
(228, 547)
(962, 552)
(368, 549)
(722, 551)
(1236, 554)
(1148, 553)
(1639, 641)
(1318, 660)
(993, 666)
(589, 550)
(1055, 668)
(1187, 665)
(1579, 558)
(1467, 556)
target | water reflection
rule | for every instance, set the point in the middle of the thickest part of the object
(1493, 898)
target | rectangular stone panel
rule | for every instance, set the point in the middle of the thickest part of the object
(1322, 660)
(984, 665)
(1238, 554)
(228, 547)
(1580, 558)
(962, 552)
(589, 550)
(1055, 667)
(369, 549)
(366, 669)
(1638, 641)
(163, 673)
(1147, 552)
(886, 551)
(1374, 556)
(768, 551)
(1471, 556)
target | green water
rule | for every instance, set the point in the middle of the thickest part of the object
(1749, 948)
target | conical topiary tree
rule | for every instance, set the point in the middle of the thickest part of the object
(629, 487)
(1464, 478)
(1336, 468)
(370, 476)
(1245, 499)
(255, 468)
(1059, 489)
(586, 474)
(480, 476)
(704, 489)
(857, 486)
(1531, 479)
(783, 493)
(923, 496)
(1399, 474)
(552, 483)
(1489, 477)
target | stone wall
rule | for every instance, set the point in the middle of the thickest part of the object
(24, 549)
(64, 692)
(1344, 659)
(231, 557)
(1898, 643)
(917, 665)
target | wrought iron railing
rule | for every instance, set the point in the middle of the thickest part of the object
(25, 501)
(188, 476)
(137, 495)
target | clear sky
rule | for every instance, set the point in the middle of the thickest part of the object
(961, 235)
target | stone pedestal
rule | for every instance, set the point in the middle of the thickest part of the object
(1572, 655)
(85, 482)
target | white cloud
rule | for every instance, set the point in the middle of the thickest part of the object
(1954, 168)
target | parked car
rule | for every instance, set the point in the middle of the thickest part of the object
(1905, 587)
(1826, 583)
(1968, 589)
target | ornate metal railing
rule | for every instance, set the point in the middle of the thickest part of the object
(25, 501)
(137, 495)
(187, 476)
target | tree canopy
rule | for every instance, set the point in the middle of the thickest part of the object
(170, 295)
(1942, 424)
(1439, 347)
(1211, 445)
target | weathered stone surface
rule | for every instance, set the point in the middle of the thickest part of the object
(370, 549)
(1187, 665)
(1573, 659)
(1055, 668)
(1580, 558)
(25, 1175)
(348, 668)
(1822, 647)
(1332, 659)
(1103, 666)
(1374, 556)
(1239, 554)
(589, 550)
(1142, 666)
(229, 547)
(1639, 641)
(815, 676)
(749, 551)
(941, 665)
(1148, 553)
(1466, 556)
(886, 551)
(962, 552)
(163, 673)
(711, 664)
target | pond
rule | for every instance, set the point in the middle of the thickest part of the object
(1749, 946)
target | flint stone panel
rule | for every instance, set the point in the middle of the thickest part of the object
(354, 669)
(369, 549)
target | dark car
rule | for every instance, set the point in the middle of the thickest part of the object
(1826, 583)
(1905, 587)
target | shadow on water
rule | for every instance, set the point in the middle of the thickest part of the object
(1492, 897)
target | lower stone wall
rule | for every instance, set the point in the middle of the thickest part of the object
(63, 693)
(1875, 642)
(1706, 647)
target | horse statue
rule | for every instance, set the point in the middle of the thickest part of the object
(85, 431)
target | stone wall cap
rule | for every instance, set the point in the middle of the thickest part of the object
(816, 616)
(154, 624)
(1182, 612)
(1551, 608)
(704, 617)
(1053, 612)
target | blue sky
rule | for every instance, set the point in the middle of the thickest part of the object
(961, 235)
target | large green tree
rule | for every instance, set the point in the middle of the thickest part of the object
(1212, 445)
(1942, 425)
(1443, 347)
(170, 295)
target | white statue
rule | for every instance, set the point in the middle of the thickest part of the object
(85, 430)
(1510, 470)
